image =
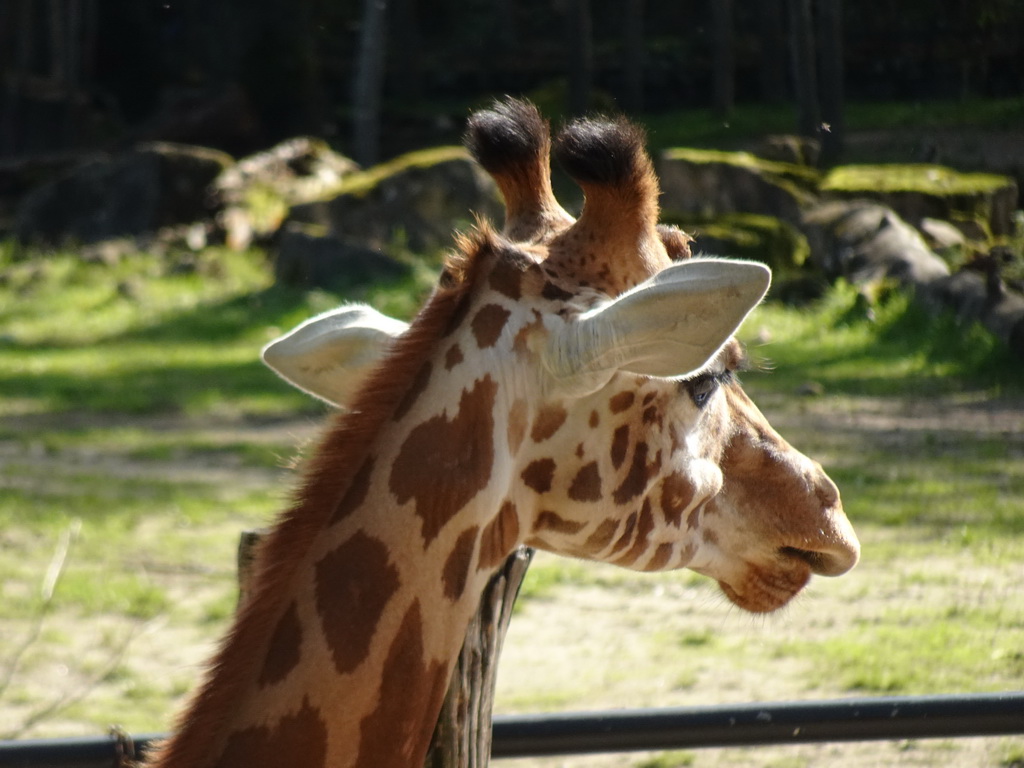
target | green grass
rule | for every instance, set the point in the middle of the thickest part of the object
(925, 649)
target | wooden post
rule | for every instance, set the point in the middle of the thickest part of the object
(462, 737)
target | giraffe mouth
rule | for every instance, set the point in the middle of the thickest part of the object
(763, 590)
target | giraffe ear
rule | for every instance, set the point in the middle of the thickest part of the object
(329, 355)
(671, 325)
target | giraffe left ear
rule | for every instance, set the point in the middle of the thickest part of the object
(330, 355)
(671, 325)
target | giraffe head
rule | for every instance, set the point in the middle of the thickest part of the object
(585, 384)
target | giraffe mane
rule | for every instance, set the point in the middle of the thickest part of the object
(327, 475)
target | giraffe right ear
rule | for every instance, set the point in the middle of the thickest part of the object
(330, 355)
(671, 325)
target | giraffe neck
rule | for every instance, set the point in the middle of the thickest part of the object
(364, 589)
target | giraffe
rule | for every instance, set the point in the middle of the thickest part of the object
(570, 385)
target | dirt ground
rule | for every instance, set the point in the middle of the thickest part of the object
(587, 647)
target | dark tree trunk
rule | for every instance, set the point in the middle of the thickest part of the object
(805, 80)
(772, 70)
(633, 55)
(506, 30)
(369, 82)
(723, 58)
(314, 100)
(581, 55)
(408, 82)
(830, 52)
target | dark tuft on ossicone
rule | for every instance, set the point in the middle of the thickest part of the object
(601, 151)
(507, 135)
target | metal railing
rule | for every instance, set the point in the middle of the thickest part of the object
(779, 723)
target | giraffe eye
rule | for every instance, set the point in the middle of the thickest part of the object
(703, 387)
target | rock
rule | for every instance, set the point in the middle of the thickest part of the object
(919, 191)
(416, 199)
(747, 236)
(941, 235)
(975, 298)
(709, 183)
(130, 194)
(20, 174)
(863, 242)
(258, 191)
(309, 258)
(788, 148)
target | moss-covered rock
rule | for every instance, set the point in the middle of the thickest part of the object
(258, 191)
(919, 191)
(709, 183)
(746, 236)
(418, 198)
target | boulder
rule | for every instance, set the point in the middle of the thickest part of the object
(864, 241)
(789, 148)
(258, 191)
(976, 297)
(416, 200)
(747, 236)
(140, 191)
(308, 257)
(941, 235)
(708, 183)
(919, 191)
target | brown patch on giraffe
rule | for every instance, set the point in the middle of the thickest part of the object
(645, 524)
(453, 357)
(676, 496)
(507, 279)
(649, 398)
(539, 475)
(652, 415)
(488, 324)
(353, 586)
(283, 654)
(442, 482)
(552, 521)
(621, 401)
(661, 558)
(595, 420)
(602, 535)
(499, 537)
(516, 425)
(419, 383)
(397, 733)
(521, 345)
(627, 532)
(620, 445)
(297, 739)
(580, 451)
(586, 486)
(552, 292)
(456, 567)
(548, 421)
(636, 480)
(356, 494)
(693, 519)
